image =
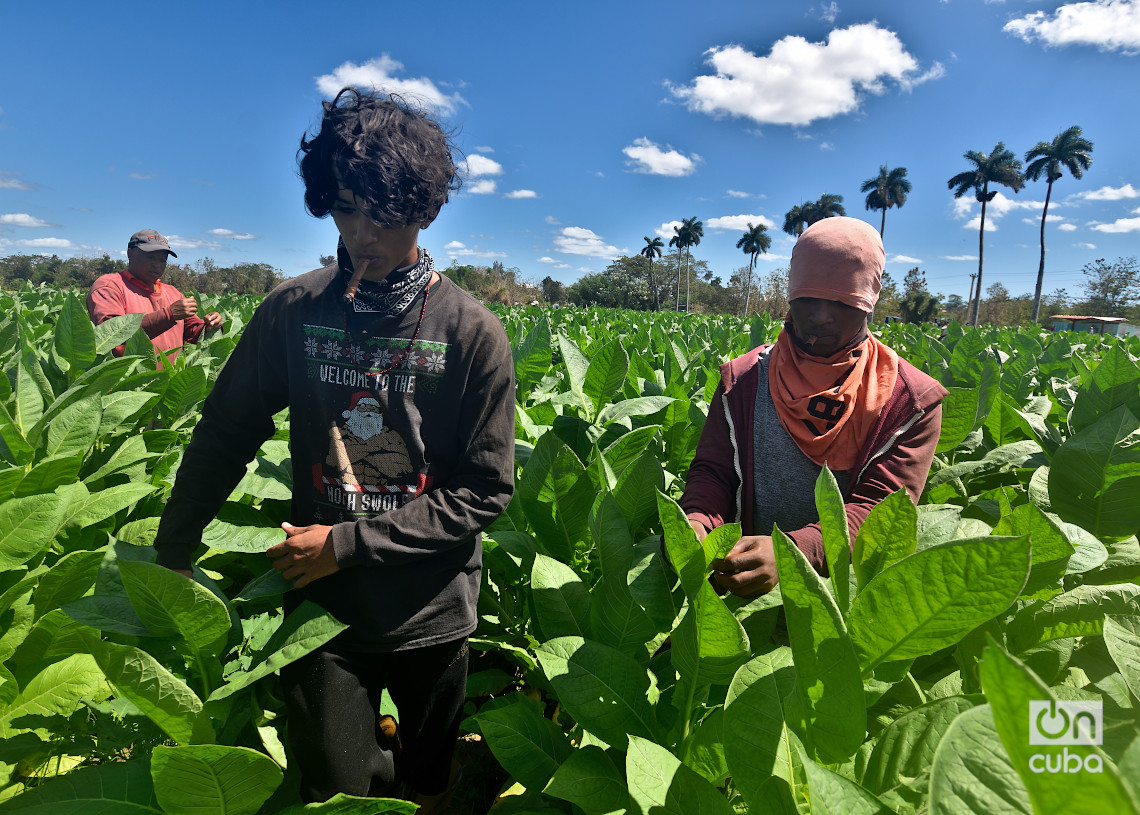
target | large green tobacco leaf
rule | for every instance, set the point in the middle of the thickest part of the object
(615, 618)
(905, 749)
(605, 376)
(1122, 638)
(74, 334)
(82, 508)
(1079, 612)
(575, 365)
(114, 332)
(1051, 549)
(757, 744)
(70, 578)
(241, 528)
(1114, 382)
(205, 779)
(527, 744)
(48, 474)
(561, 599)
(972, 773)
(933, 598)
(27, 526)
(60, 688)
(120, 406)
(73, 431)
(163, 697)
(836, 537)
(660, 783)
(710, 643)
(1009, 687)
(607, 692)
(31, 394)
(1095, 476)
(122, 788)
(589, 780)
(305, 630)
(171, 605)
(532, 356)
(14, 447)
(886, 536)
(637, 488)
(556, 494)
(832, 794)
(184, 392)
(828, 685)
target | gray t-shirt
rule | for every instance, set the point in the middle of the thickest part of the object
(784, 477)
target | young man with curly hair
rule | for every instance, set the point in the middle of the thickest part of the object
(401, 402)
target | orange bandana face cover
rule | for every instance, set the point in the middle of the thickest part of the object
(829, 405)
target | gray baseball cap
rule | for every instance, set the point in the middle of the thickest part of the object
(148, 240)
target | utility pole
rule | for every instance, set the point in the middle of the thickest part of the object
(970, 301)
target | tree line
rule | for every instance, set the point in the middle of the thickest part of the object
(204, 277)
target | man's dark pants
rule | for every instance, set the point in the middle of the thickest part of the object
(332, 699)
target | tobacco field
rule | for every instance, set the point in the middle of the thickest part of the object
(609, 677)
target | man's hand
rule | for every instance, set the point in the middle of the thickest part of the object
(186, 307)
(213, 321)
(305, 555)
(749, 569)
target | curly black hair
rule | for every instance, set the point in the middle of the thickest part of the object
(396, 160)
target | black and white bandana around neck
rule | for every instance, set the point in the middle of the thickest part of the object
(395, 293)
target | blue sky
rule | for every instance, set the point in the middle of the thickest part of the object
(586, 126)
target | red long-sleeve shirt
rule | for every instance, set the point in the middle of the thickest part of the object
(118, 293)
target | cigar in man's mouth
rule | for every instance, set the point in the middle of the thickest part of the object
(354, 282)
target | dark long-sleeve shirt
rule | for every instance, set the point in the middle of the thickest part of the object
(408, 468)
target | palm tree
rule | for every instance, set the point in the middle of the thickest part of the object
(652, 249)
(754, 241)
(794, 220)
(889, 189)
(696, 232)
(1070, 151)
(999, 167)
(828, 206)
(680, 239)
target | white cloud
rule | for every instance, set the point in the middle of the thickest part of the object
(648, 157)
(829, 11)
(485, 149)
(1085, 245)
(1111, 193)
(904, 259)
(546, 260)
(824, 145)
(1067, 227)
(550, 219)
(460, 249)
(967, 207)
(666, 230)
(959, 257)
(379, 74)
(142, 176)
(484, 186)
(8, 181)
(800, 81)
(1119, 225)
(522, 194)
(22, 219)
(574, 240)
(481, 165)
(178, 242)
(233, 236)
(738, 222)
(737, 194)
(46, 243)
(1110, 25)
(1049, 219)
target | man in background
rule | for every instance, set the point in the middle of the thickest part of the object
(169, 319)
